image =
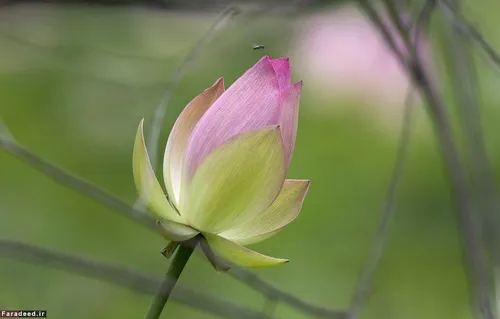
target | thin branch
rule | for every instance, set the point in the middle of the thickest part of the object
(77, 184)
(62, 66)
(393, 10)
(109, 200)
(269, 307)
(265, 288)
(122, 276)
(58, 47)
(195, 6)
(422, 22)
(4, 130)
(464, 79)
(474, 253)
(160, 111)
(365, 282)
(377, 21)
(464, 26)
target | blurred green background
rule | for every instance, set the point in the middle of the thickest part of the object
(74, 84)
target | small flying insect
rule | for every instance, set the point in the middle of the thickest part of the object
(258, 47)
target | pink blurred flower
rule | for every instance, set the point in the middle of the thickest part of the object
(344, 56)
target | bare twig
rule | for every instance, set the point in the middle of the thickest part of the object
(269, 307)
(4, 130)
(109, 200)
(265, 288)
(122, 276)
(422, 22)
(392, 8)
(365, 282)
(465, 27)
(474, 253)
(178, 5)
(161, 109)
(77, 184)
(377, 20)
(464, 79)
(58, 47)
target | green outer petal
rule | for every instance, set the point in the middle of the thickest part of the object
(282, 212)
(218, 264)
(240, 255)
(237, 181)
(170, 249)
(175, 231)
(177, 141)
(146, 183)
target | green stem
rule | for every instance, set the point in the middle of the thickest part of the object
(176, 267)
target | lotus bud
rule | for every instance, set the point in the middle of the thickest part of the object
(225, 165)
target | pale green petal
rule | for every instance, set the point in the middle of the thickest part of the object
(179, 136)
(282, 212)
(240, 255)
(175, 231)
(146, 183)
(237, 181)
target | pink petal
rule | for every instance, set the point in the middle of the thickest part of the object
(289, 119)
(175, 151)
(283, 72)
(254, 101)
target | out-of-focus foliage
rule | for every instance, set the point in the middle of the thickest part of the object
(177, 3)
(74, 83)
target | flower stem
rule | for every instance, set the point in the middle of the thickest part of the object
(176, 267)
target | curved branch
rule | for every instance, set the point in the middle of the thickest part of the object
(122, 276)
(115, 204)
